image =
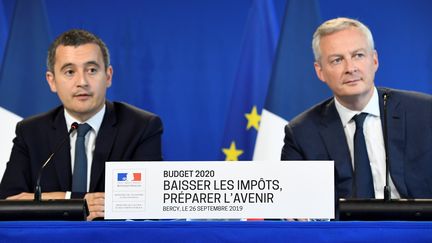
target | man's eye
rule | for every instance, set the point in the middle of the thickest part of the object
(336, 61)
(92, 70)
(69, 72)
(359, 55)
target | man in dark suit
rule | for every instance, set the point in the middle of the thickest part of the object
(345, 59)
(79, 71)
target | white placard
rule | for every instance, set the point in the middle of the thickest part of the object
(219, 190)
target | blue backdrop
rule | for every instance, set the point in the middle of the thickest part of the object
(179, 59)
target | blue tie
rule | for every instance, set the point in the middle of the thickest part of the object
(364, 187)
(79, 179)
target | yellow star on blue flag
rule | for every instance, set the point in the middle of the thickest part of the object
(232, 153)
(253, 119)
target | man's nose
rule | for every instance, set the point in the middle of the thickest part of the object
(82, 80)
(350, 66)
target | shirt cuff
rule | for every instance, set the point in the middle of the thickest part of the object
(68, 195)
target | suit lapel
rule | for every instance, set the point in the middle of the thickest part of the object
(396, 138)
(104, 142)
(61, 159)
(333, 135)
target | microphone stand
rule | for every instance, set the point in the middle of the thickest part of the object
(387, 189)
(387, 209)
(38, 209)
(38, 188)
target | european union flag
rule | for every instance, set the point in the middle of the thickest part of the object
(259, 44)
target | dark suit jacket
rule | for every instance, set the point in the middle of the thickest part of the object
(317, 134)
(126, 134)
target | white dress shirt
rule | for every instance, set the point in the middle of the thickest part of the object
(373, 133)
(90, 140)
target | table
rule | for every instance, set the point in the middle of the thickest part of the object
(215, 231)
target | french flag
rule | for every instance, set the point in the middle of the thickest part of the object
(294, 86)
(128, 176)
(23, 88)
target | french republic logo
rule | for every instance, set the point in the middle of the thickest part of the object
(129, 176)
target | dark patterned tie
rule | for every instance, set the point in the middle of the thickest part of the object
(364, 187)
(79, 179)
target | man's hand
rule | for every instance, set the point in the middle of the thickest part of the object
(96, 204)
(30, 196)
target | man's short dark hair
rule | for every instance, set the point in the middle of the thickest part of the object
(76, 37)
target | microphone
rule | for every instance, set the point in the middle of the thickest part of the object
(387, 208)
(52, 209)
(38, 189)
(387, 189)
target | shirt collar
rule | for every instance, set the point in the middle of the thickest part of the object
(94, 121)
(371, 108)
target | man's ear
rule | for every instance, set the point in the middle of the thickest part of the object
(375, 60)
(318, 71)
(51, 81)
(109, 75)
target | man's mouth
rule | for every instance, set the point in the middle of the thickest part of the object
(352, 81)
(82, 95)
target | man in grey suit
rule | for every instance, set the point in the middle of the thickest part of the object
(346, 60)
(79, 71)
